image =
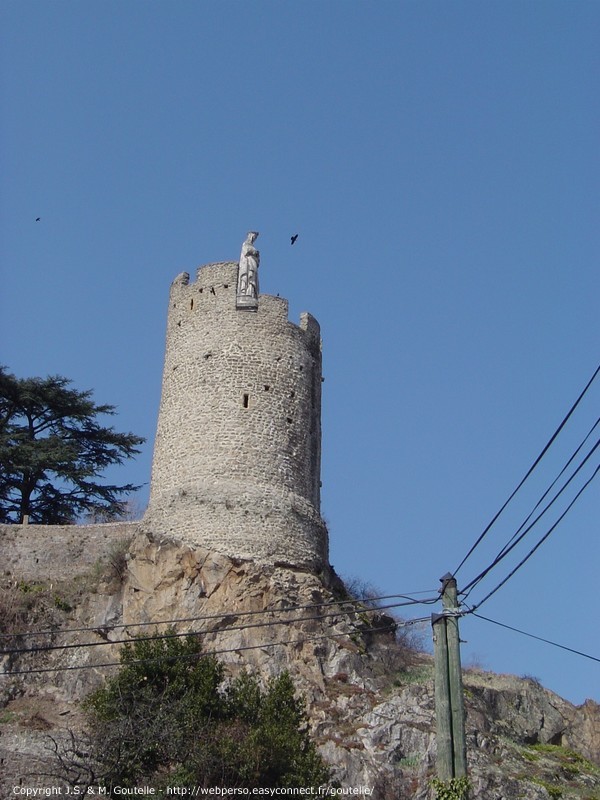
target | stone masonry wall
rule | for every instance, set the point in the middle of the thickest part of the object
(238, 447)
(49, 552)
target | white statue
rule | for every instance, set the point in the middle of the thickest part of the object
(247, 288)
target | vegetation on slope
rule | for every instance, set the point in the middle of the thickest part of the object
(171, 718)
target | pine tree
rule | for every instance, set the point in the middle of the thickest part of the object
(53, 449)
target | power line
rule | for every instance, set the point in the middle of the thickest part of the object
(541, 541)
(222, 651)
(102, 629)
(174, 635)
(520, 534)
(533, 636)
(555, 481)
(530, 470)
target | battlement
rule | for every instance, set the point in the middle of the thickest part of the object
(214, 292)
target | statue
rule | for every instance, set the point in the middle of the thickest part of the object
(247, 288)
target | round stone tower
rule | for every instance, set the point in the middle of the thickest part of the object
(237, 456)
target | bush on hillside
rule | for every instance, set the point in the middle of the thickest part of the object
(171, 718)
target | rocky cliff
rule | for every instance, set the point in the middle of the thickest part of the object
(369, 696)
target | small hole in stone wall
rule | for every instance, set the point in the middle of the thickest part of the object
(207, 356)
(292, 394)
(179, 324)
(290, 420)
(226, 286)
(212, 290)
(246, 399)
(200, 290)
(267, 388)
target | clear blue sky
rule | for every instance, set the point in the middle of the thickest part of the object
(440, 162)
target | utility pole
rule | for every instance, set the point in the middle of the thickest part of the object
(449, 703)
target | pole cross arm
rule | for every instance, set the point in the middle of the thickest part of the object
(448, 612)
(453, 612)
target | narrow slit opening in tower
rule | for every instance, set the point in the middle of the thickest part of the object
(192, 304)
(246, 399)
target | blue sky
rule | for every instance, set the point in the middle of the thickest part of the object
(440, 163)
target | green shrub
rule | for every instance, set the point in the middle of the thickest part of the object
(62, 605)
(453, 789)
(170, 717)
(554, 791)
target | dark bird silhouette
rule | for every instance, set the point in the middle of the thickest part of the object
(37, 219)
(294, 237)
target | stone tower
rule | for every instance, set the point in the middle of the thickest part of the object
(237, 456)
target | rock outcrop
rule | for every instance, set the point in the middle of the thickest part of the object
(370, 700)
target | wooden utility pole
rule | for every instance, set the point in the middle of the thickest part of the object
(443, 718)
(449, 703)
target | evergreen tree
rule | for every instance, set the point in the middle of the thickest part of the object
(52, 451)
(171, 718)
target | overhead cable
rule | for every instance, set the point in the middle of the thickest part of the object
(555, 481)
(530, 470)
(222, 651)
(541, 541)
(102, 629)
(539, 638)
(521, 532)
(176, 635)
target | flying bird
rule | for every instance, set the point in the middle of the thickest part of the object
(294, 237)
(37, 219)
